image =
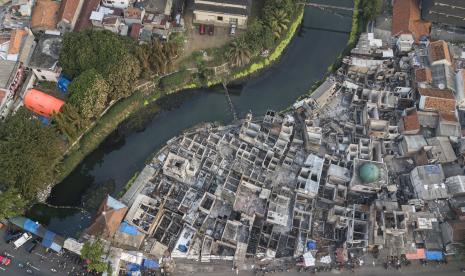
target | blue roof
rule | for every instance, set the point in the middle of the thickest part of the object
(47, 240)
(55, 247)
(115, 204)
(432, 169)
(150, 264)
(128, 229)
(133, 267)
(31, 226)
(433, 255)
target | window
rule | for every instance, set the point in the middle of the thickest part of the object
(219, 18)
(233, 21)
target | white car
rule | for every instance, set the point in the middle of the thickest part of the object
(22, 240)
(232, 31)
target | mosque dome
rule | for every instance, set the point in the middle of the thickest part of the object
(368, 173)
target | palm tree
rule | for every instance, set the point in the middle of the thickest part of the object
(278, 22)
(238, 53)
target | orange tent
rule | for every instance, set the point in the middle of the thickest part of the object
(41, 103)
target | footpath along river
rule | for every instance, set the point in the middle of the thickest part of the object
(322, 36)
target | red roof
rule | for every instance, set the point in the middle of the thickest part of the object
(41, 103)
(135, 31)
(406, 19)
(424, 75)
(439, 50)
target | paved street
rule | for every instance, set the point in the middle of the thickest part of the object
(450, 269)
(40, 262)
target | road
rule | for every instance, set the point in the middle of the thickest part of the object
(41, 262)
(449, 270)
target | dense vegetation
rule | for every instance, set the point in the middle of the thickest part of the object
(105, 68)
(92, 253)
(28, 154)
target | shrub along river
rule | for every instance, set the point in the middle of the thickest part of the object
(321, 37)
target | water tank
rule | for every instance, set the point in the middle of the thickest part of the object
(42, 103)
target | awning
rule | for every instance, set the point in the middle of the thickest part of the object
(434, 255)
(31, 226)
(418, 255)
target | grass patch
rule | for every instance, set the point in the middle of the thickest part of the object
(177, 79)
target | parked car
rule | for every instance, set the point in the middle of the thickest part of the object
(211, 30)
(4, 260)
(201, 29)
(11, 236)
(31, 246)
(232, 30)
(22, 240)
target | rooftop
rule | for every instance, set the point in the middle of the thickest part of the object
(45, 15)
(439, 50)
(406, 19)
(47, 52)
(68, 10)
(7, 72)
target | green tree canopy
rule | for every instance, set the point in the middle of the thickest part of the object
(371, 8)
(11, 203)
(109, 54)
(123, 77)
(93, 252)
(29, 152)
(89, 93)
(238, 53)
(69, 122)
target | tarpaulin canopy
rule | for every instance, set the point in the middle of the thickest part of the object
(48, 239)
(133, 267)
(433, 255)
(150, 264)
(31, 226)
(55, 247)
(128, 229)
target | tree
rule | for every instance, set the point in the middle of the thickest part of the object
(238, 53)
(371, 8)
(93, 253)
(11, 203)
(108, 53)
(278, 22)
(29, 152)
(122, 77)
(69, 122)
(89, 93)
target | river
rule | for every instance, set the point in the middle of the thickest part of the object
(322, 36)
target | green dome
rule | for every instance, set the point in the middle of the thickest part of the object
(368, 173)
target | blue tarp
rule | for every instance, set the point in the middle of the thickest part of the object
(31, 226)
(132, 267)
(150, 264)
(47, 240)
(182, 248)
(433, 255)
(311, 245)
(63, 83)
(44, 120)
(124, 227)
